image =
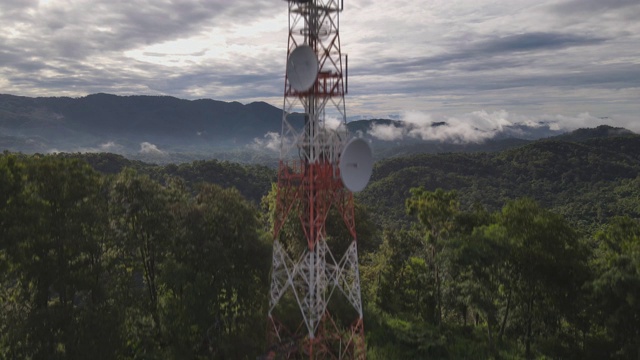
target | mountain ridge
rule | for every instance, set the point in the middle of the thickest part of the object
(168, 129)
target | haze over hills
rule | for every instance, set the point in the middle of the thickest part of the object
(167, 129)
(122, 123)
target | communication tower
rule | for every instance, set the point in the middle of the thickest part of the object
(318, 170)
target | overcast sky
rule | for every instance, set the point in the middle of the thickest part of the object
(575, 61)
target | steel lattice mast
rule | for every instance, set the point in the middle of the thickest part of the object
(313, 135)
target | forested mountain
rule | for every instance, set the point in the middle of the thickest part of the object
(580, 175)
(165, 129)
(158, 116)
(588, 181)
(530, 252)
(125, 121)
(251, 180)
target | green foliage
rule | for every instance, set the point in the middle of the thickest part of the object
(547, 265)
(124, 267)
(252, 181)
(583, 181)
(435, 211)
(52, 286)
(157, 262)
(616, 288)
(508, 284)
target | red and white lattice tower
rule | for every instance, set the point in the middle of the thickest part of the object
(305, 279)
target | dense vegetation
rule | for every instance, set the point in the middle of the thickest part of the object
(123, 266)
(517, 283)
(528, 253)
(587, 181)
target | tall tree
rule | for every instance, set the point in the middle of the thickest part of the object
(215, 279)
(617, 286)
(51, 250)
(142, 226)
(547, 265)
(436, 211)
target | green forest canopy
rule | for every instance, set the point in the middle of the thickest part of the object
(528, 253)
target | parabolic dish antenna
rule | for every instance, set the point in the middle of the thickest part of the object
(302, 68)
(356, 165)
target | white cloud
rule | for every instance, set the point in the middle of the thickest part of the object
(271, 141)
(472, 127)
(111, 146)
(151, 149)
(478, 126)
(583, 120)
(332, 122)
(387, 132)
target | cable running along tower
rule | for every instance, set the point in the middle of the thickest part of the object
(314, 272)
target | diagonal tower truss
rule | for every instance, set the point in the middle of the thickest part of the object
(306, 276)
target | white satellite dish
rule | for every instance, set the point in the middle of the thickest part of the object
(302, 68)
(356, 164)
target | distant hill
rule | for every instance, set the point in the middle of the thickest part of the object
(252, 180)
(123, 122)
(501, 142)
(602, 131)
(588, 175)
(589, 178)
(164, 129)
(437, 147)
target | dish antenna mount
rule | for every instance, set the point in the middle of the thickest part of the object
(356, 165)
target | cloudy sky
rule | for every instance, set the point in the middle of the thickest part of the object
(576, 61)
